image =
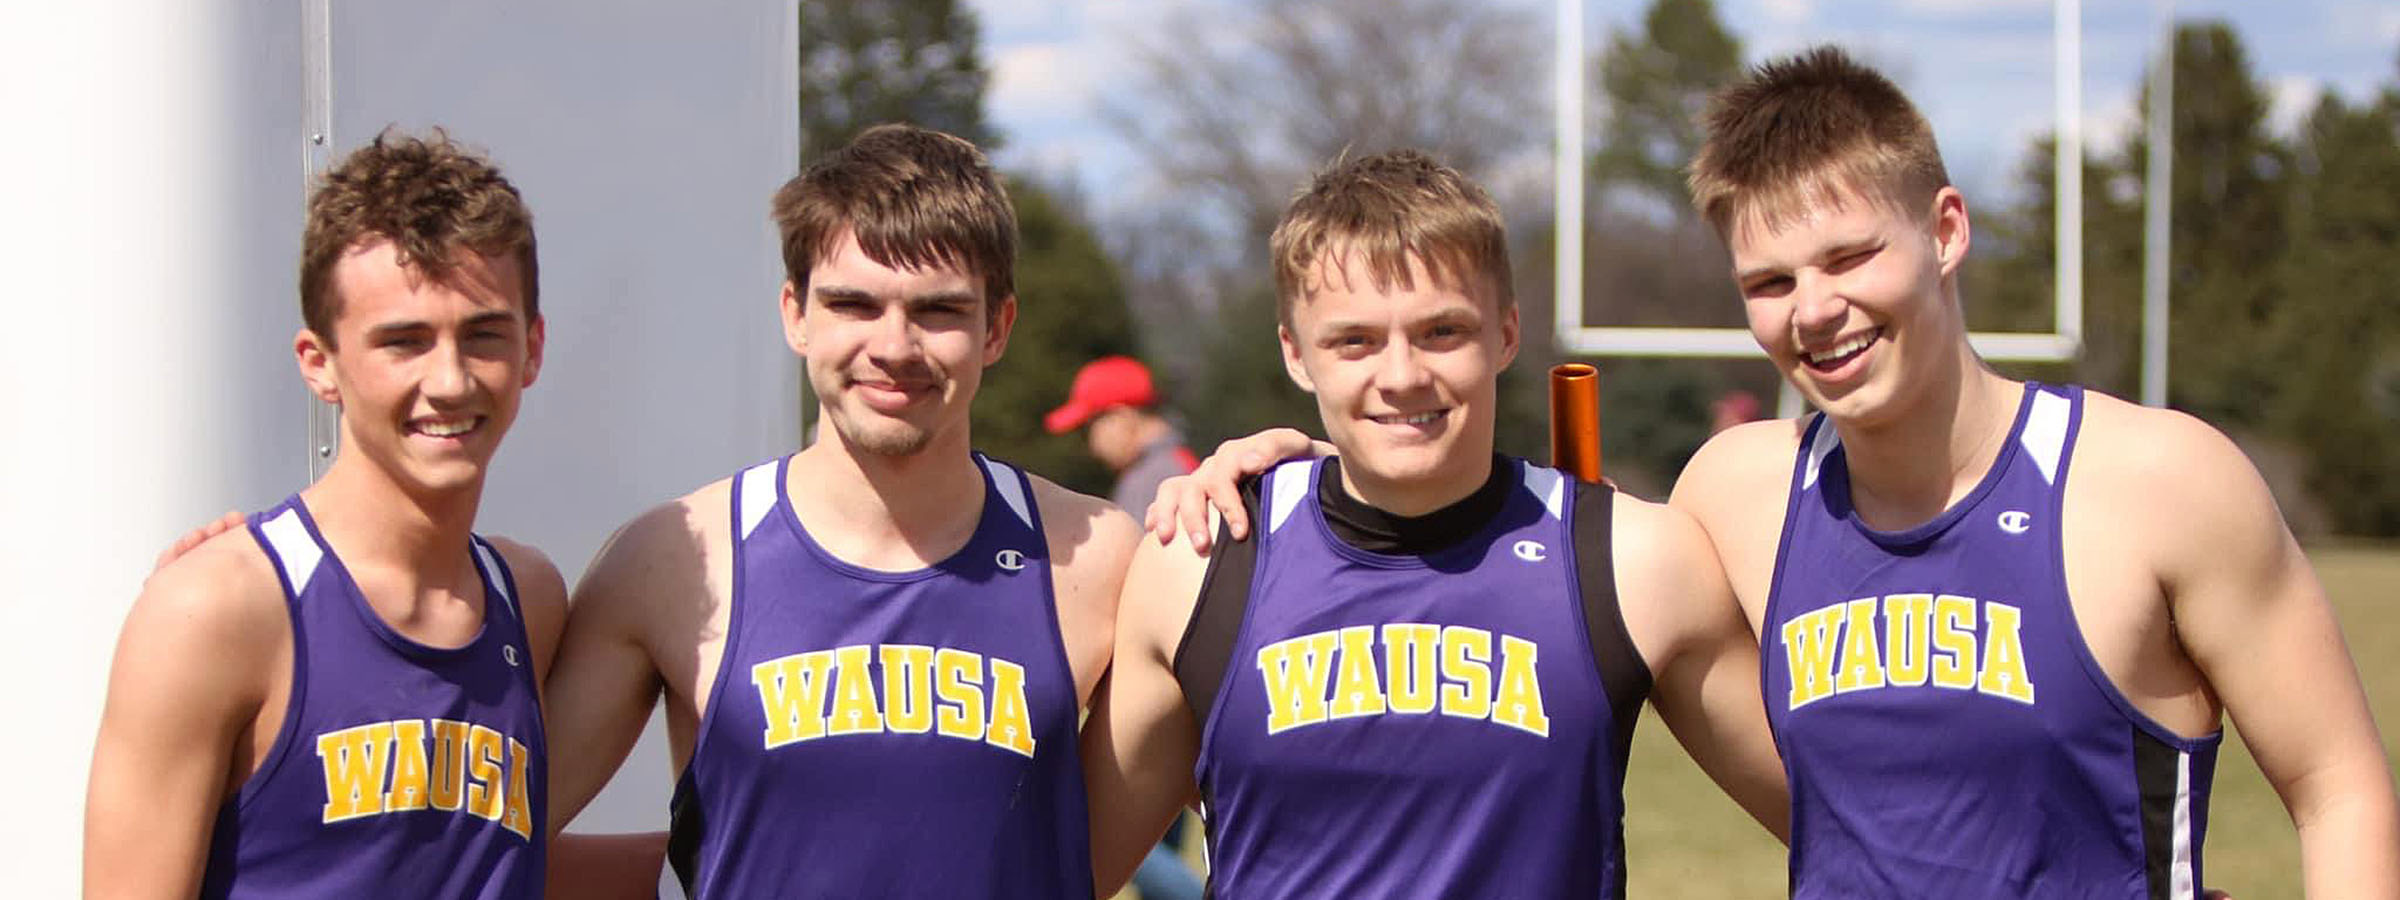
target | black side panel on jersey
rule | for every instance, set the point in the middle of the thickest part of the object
(1207, 645)
(2154, 768)
(686, 825)
(1622, 672)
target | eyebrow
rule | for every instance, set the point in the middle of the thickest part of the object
(840, 292)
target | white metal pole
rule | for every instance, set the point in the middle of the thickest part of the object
(2067, 163)
(2157, 213)
(316, 156)
(1567, 271)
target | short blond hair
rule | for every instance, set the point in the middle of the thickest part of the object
(1808, 129)
(1389, 208)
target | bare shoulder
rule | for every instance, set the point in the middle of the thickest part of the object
(210, 623)
(1667, 573)
(226, 587)
(1085, 533)
(2168, 482)
(665, 552)
(1739, 470)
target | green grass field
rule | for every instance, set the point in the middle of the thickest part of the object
(1685, 840)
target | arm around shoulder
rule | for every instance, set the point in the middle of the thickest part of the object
(2248, 609)
(1701, 654)
(194, 667)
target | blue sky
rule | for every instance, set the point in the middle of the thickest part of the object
(1981, 69)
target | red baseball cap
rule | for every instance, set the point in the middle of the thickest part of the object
(1104, 383)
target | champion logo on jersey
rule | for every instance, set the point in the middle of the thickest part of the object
(1532, 551)
(1011, 560)
(2016, 521)
(509, 652)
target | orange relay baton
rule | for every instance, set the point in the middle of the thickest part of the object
(1575, 420)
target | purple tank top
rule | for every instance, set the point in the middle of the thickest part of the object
(401, 770)
(1945, 729)
(886, 734)
(1414, 726)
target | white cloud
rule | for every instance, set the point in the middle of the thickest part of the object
(1042, 83)
(1790, 11)
(2289, 100)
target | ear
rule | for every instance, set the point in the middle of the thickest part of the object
(1291, 359)
(795, 333)
(536, 334)
(1003, 321)
(1511, 337)
(1951, 231)
(315, 355)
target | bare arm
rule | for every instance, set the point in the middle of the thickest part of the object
(2248, 609)
(541, 601)
(191, 673)
(1703, 658)
(1141, 740)
(605, 681)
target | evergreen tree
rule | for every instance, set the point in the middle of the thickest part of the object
(866, 62)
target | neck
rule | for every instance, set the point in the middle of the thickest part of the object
(1453, 482)
(883, 511)
(377, 523)
(1910, 466)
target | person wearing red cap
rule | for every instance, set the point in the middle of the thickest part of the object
(1116, 398)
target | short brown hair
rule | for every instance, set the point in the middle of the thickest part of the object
(913, 197)
(1806, 128)
(430, 198)
(1388, 208)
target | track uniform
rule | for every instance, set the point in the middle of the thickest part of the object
(1945, 729)
(886, 734)
(401, 770)
(1422, 724)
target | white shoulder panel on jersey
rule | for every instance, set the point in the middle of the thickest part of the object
(1011, 489)
(489, 560)
(754, 495)
(1547, 483)
(294, 548)
(1827, 439)
(1288, 484)
(2045, 435)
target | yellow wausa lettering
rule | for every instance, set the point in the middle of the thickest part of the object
(386, 768)
(1339, 674)
(353, 759)
(1294, 671)
(1808, 645)
(1946, 641)
(870, 689)
(791, 690)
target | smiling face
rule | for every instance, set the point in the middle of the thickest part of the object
(428, 373)
(1405, 379)
(894, 355)
(1854, 301)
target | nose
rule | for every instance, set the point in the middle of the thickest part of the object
(1818, 305)
(446, 378)
(1402, 367)
(894, 338)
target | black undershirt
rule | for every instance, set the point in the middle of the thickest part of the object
(1377, 531)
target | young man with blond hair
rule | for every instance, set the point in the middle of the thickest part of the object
(874, 650)
(1421, 677)
(2001, 621)
(341, 700)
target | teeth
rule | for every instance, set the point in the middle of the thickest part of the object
(1845, 348)
(447, 429)
(1418, 419)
